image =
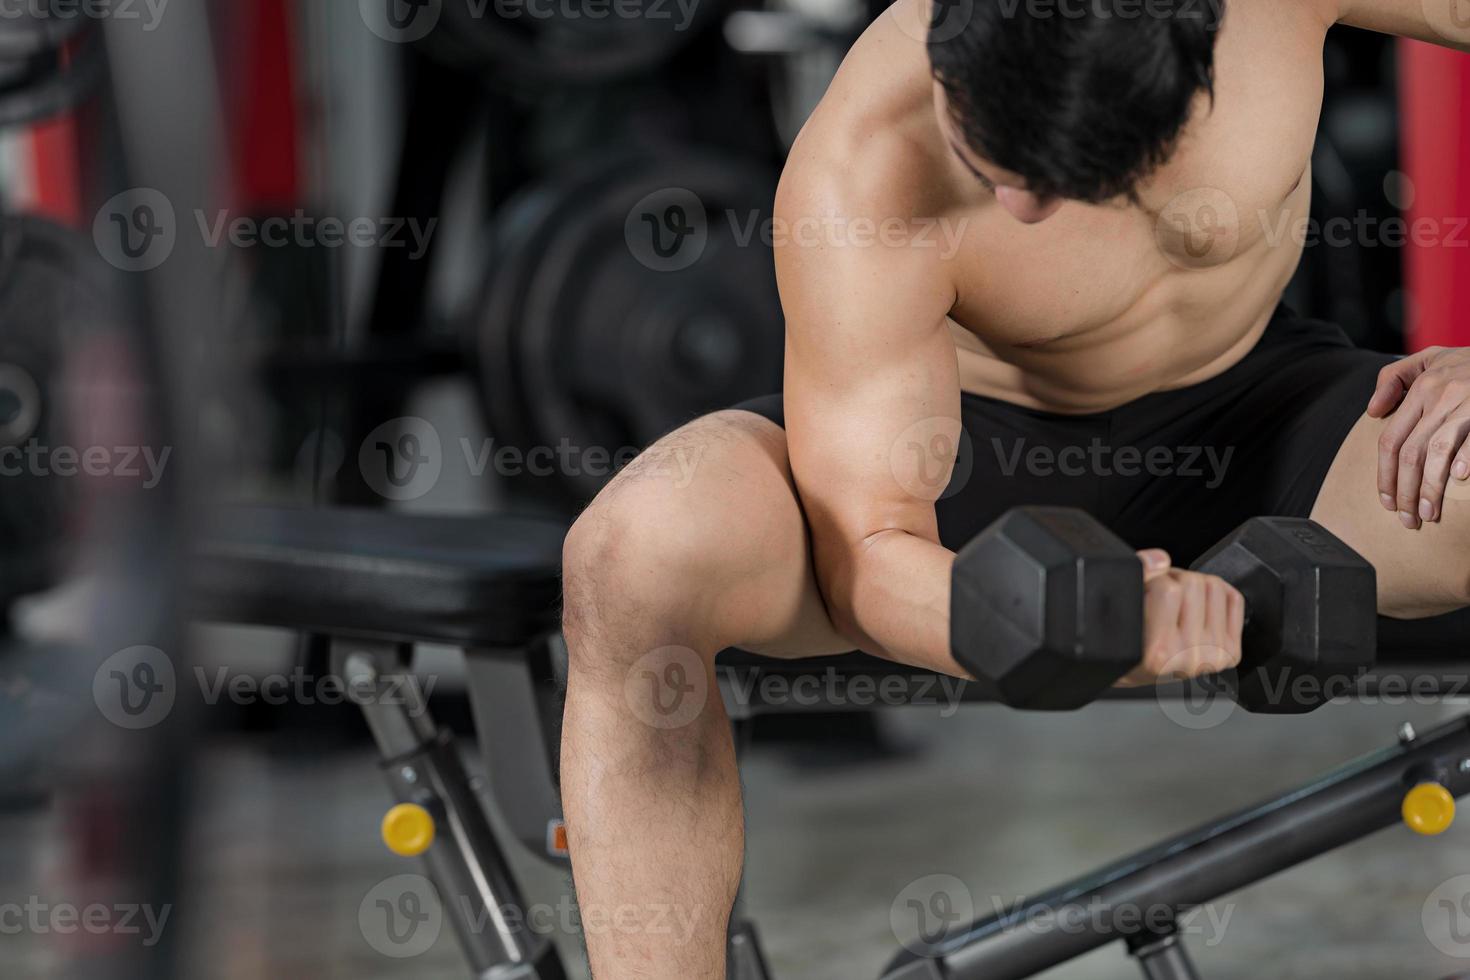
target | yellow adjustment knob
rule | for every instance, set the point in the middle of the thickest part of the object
(408, 830)
(1429, 809)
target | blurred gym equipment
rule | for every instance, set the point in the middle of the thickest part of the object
(622, 302)
(51, 294)
(49, 62)
(536, 42)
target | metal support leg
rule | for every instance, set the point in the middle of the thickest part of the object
(1163, 957)
(745, 960)
(1199, 867)
(465, 862)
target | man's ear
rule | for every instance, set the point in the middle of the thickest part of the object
(1026, 207)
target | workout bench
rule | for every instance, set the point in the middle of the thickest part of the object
(374, 583)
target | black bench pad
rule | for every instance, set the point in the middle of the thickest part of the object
(483, 581)
(469, 581)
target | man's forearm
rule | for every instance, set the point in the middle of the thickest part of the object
(890, 594)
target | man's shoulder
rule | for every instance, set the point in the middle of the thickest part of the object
(835, 174)
(869, 150)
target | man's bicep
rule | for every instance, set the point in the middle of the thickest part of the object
(1443, 22)
(872, 396)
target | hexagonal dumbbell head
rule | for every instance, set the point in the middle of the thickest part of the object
(1311, 609)
(1047, 608)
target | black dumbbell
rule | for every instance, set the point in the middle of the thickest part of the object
(1047, 609)
(1311, 613)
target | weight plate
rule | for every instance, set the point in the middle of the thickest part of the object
(624, 301)
(48, 82)
(51, 294)
(24, 34)
(538, 42)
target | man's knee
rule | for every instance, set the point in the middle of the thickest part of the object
(648, 544)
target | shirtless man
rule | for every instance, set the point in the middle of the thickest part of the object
(1118, 186)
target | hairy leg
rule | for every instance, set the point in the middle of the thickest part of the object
(698, 546)
(1420, 573)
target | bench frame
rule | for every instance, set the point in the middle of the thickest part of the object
(516, 692)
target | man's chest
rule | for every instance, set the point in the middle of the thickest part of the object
(1221, 207)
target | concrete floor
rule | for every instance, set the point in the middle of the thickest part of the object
(286, 849)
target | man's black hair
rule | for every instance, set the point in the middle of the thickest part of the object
(1082, 98)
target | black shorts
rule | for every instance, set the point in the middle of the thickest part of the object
(1177, 469)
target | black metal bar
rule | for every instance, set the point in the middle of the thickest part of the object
(745, 961)
(439, 106)
(1163, 957)
(1195, 868)
(465, 862)
(863, 684)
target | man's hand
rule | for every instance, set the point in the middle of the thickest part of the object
(1192, 624)
(1424, 446)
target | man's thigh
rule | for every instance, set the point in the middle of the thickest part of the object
(733, 539)
(1420, 573)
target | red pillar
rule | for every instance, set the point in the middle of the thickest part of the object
(1435, 118)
